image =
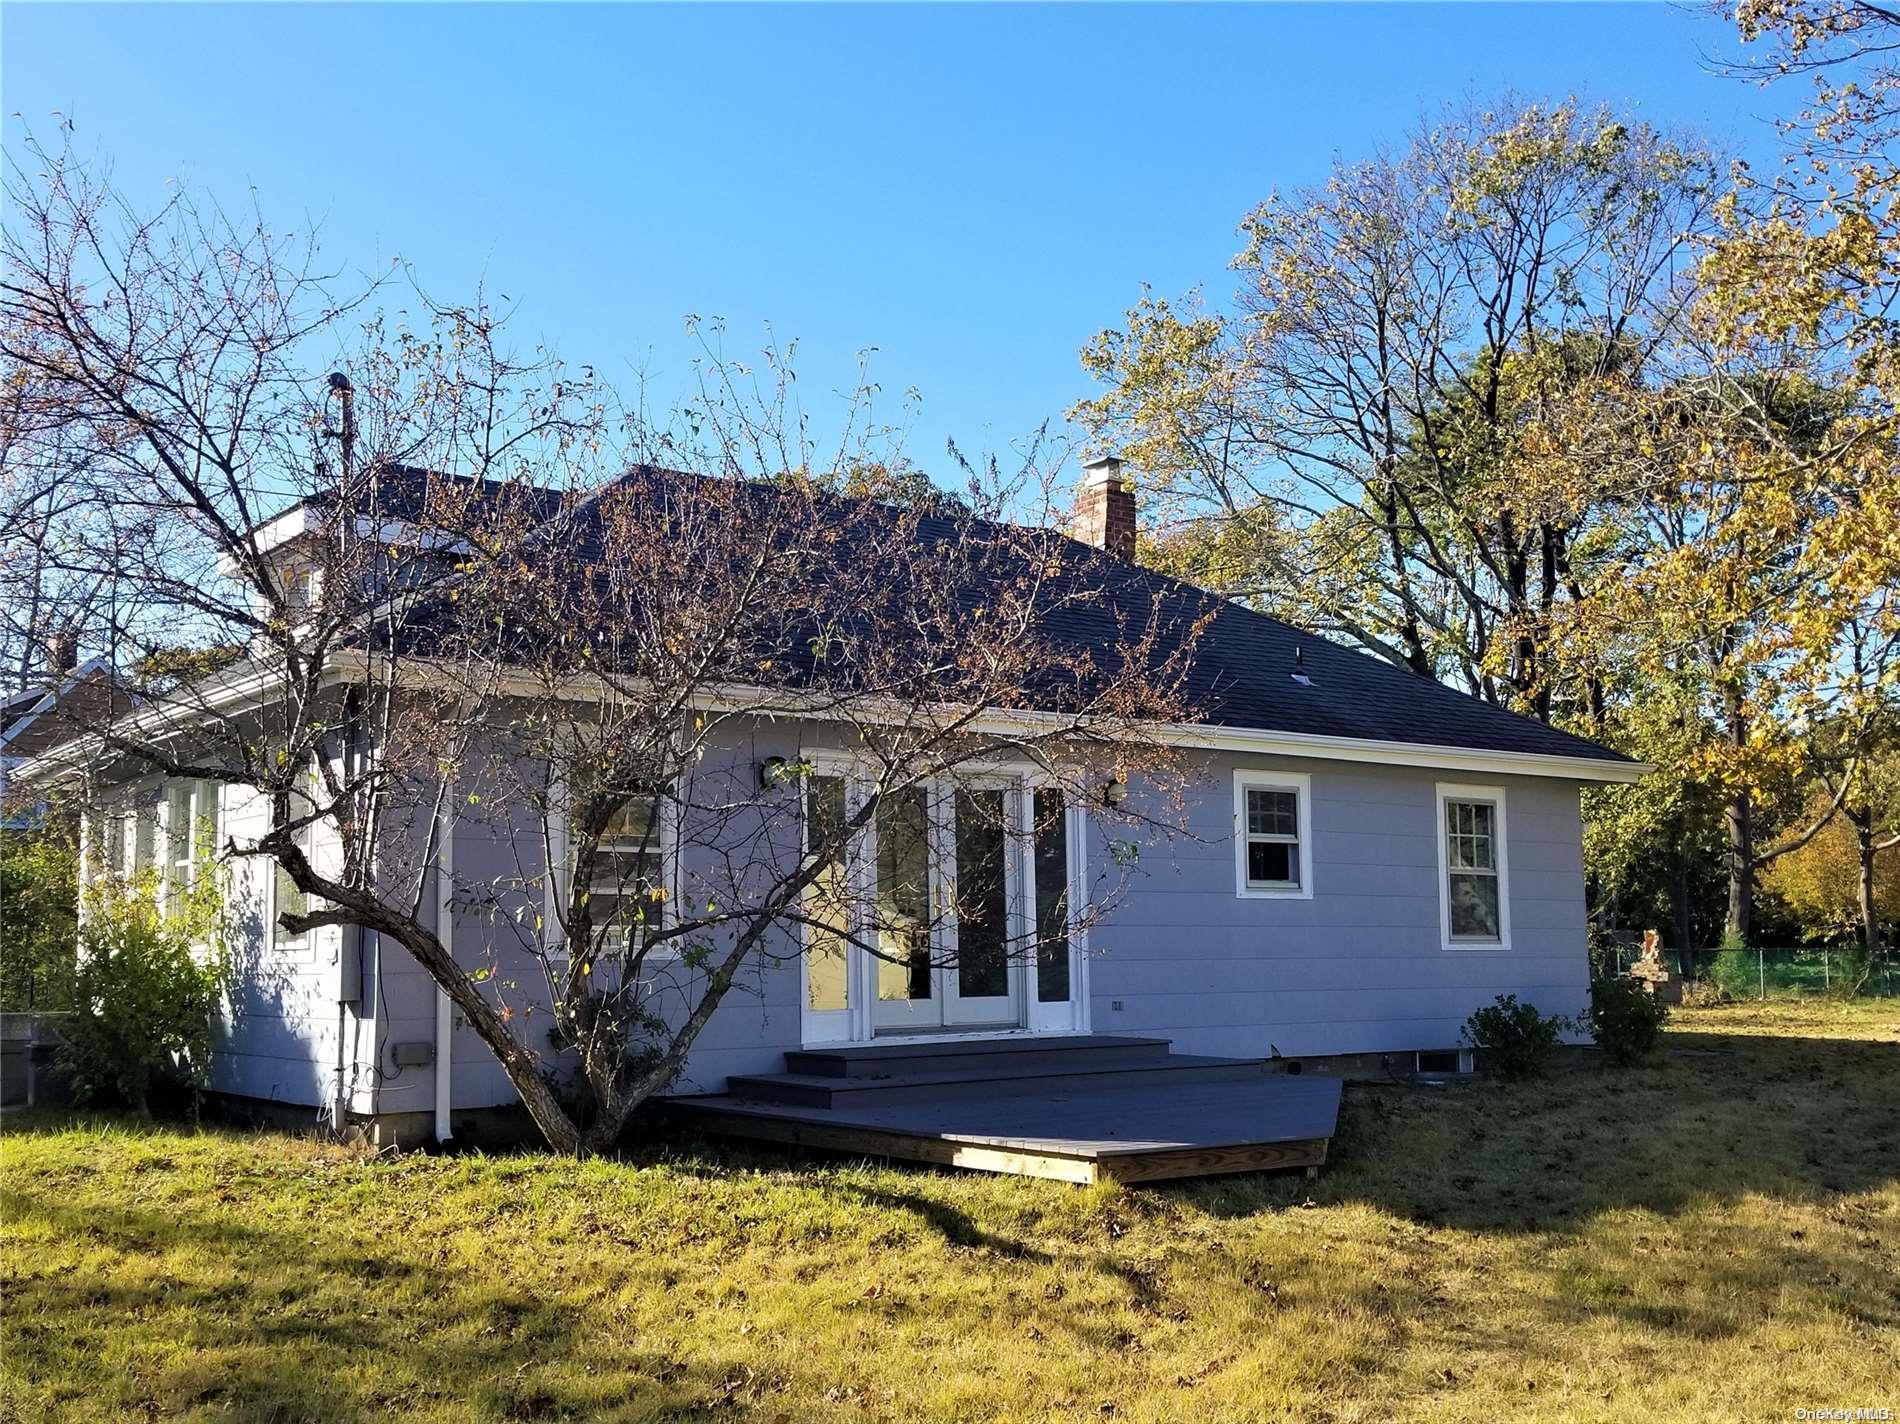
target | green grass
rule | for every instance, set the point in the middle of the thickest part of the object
(1714, 1236)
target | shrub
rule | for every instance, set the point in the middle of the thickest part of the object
(39, 917)
(1736, 972)
(144, 991)
(1516, 1041)
(1625, 1019)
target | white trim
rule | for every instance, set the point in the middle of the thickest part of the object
(820, 1029)
(301, 519)
(1300, 783)
(252, 684)
(1453, 791)
(850, 1024)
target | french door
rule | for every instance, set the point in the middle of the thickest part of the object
(950, 929)
(965, 892)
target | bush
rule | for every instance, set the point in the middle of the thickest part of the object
(1625, 1019)
(144, 992)
(39, 918)
(1736, 972)
(1516, 1041)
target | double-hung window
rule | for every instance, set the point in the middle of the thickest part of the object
(286, 898)
(628, 889)
(191, 820)
(1473, 890)
(1273, 834)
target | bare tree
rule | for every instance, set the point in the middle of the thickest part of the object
(444, 597)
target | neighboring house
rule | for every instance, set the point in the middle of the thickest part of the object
(73, 697)
(1372, 856)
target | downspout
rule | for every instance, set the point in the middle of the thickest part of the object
(340, 1109)
(444, 1006)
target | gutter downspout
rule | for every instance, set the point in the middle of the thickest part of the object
(444, 1006)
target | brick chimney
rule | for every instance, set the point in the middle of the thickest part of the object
(1105, 507)
(62, 655)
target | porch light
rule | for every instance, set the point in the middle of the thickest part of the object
(771, 772)
(1115, 792)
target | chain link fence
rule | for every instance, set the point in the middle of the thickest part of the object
(1765, 972)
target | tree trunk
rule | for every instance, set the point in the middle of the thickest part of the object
(1863, 822)
(1416, 657)
(1740, 821)
(523, 1068)
(1740, 924)
(1679, 901)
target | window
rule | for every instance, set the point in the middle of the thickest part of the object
(1474, 899)
(191, 820)
(286, 898)
(628, 892)
(827, 900)
(111, 840)
(903, 896)
(1050, 849)
(145, 834)
(1272, 834)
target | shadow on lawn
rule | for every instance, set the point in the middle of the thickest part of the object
(1710, 1117)
(262, 1318)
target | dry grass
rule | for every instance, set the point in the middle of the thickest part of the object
(1716, 1236)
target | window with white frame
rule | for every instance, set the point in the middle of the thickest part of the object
(1473, 889)
(145, 833)
(1273, 834)
(191, 820)
(827, 898)
(628, 889)
(286, 898)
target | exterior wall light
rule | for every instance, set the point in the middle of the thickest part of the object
(771, 772)
(1115, 792)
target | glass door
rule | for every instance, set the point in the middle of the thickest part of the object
(952, 911)
(983, 972)
(904, 968)
(949, 910)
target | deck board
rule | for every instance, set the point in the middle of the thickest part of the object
(1084, 1131)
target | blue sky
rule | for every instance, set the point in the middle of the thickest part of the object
(970, 190)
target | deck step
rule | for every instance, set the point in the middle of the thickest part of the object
(1026, 1074)
(999, 1056)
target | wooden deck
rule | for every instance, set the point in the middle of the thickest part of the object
(1079, 1109)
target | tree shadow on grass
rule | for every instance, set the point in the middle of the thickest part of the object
(241, 1322)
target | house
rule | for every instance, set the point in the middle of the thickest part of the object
(1369, 856)
(70, 698)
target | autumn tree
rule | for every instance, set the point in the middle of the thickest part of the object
(408, 597)
(1347, 444)
(1787, 480)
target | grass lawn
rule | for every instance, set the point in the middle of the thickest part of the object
(1715, 1236)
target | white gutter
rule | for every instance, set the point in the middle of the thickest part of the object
(788, 702)
(444, 1006)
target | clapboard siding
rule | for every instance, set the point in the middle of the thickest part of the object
(276, 1035)
(1359, 967)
